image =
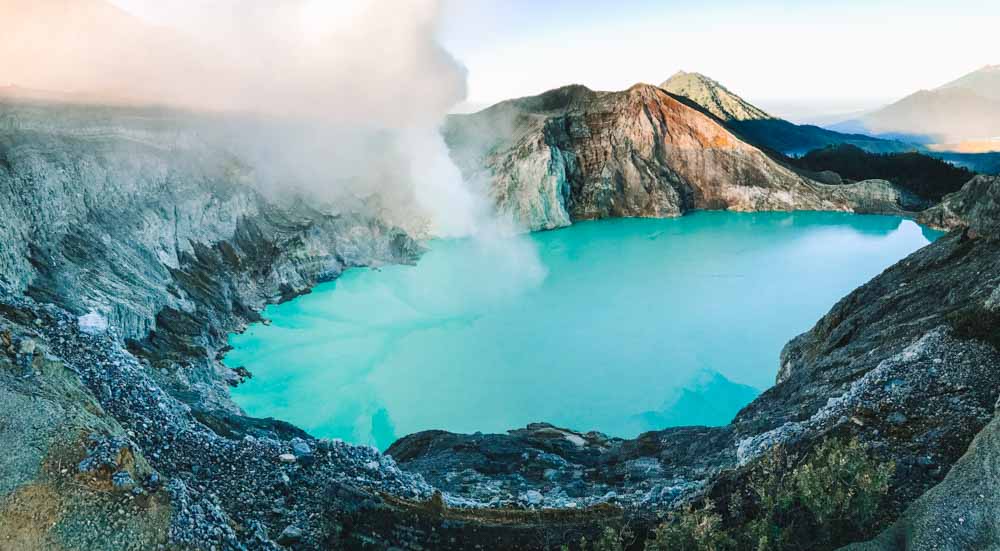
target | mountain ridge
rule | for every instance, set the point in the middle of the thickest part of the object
(963, 111)
(713, 96)
(762, 129)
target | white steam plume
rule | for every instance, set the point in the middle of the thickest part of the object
(348, 95)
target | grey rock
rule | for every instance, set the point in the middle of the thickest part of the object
(289, 536)
(533, 497)
(123, 480)
(300, 447)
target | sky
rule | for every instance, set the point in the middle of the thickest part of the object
(798, 56)
(801, 58)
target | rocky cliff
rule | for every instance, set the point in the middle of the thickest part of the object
(130, 250)
(575, 154)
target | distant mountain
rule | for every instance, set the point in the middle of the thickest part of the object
(985, 82)
(983, 163)
(714, 97)
(962, 115)
(762, 129)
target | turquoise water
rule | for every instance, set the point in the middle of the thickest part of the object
(629, 325)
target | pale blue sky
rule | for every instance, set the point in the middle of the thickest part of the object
(831, 55)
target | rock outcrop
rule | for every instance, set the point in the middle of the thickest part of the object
(575, 154)
(975, 207)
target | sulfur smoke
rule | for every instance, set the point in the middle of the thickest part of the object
(346, 96)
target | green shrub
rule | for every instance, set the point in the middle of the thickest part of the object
(609, 540)
(692, 530)
(977, 323)
(828, 500)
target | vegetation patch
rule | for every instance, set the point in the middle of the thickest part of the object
(923, 175)
(833, 497)
(976, 322)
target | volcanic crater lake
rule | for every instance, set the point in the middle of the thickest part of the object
(629, 325)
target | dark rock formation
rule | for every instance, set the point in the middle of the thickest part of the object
(975, 207)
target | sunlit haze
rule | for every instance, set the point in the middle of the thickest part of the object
(832, 58)
(840, 56)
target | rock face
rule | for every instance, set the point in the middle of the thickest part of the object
(575, 154)
(960, 512)
(976, 206)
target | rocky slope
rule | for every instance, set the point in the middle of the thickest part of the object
(137, 249)
(960, 513)
(575, 154)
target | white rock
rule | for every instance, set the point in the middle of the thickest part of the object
(93, 323)
(287, 458)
